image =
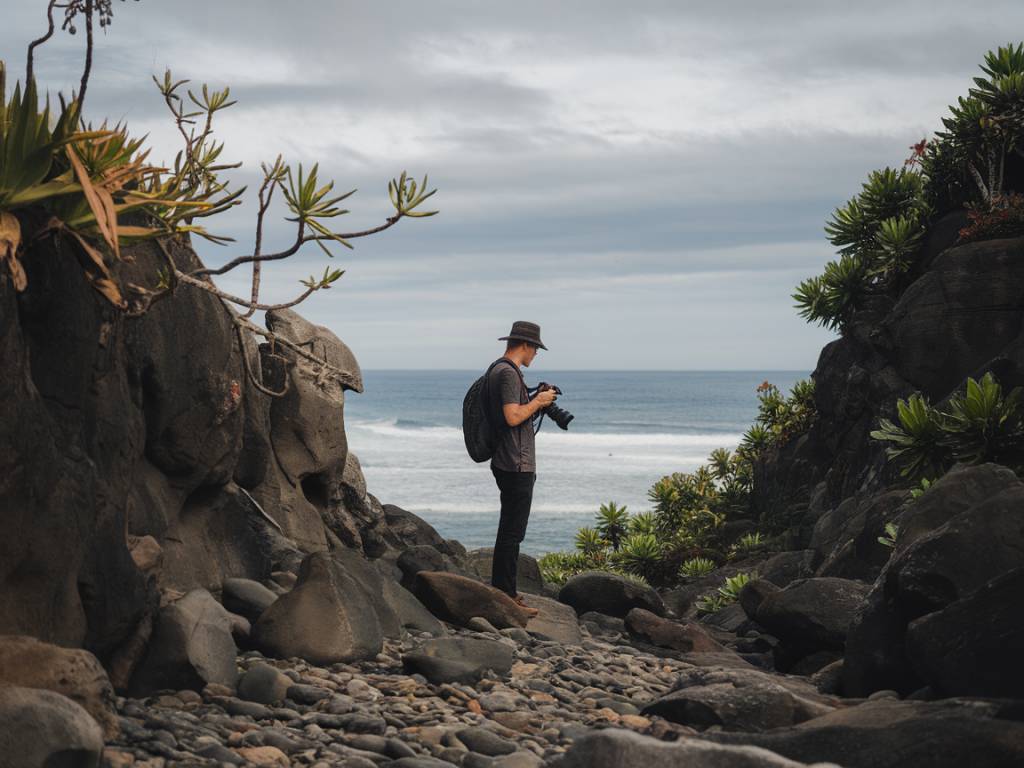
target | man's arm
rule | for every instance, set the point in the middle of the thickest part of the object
(516, 414)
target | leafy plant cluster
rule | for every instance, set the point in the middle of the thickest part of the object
(977, 425)
(779, 418)
(879, 234)
(724, 596)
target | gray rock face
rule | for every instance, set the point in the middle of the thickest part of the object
(190, 647)
(332, 615)
(458, 599)
(962, 534)
(786, 567)
(888, 733)
(609, 594)
(246, 597)
(740, 700)
(624, 749)
(43, 728)
(528, 578)
(462, 660)
(307, 424)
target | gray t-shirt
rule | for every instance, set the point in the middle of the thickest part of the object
(515, 450)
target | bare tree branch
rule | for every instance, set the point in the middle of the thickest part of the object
(40, 40)
(88, 55)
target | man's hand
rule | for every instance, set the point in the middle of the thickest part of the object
(517, 414)
(545, 398)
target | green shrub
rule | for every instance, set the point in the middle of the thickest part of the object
(612, 523)
(589, 542)
(712, 603)
(749, 542)
(696, 567)
(730, 591)
(979, 424)
(643, 523)
(640, 554)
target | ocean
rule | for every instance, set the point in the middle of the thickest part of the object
(630, 429)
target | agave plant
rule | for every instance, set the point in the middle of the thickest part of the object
(730, 590)
(747, 543)
(983, 425)
(640, 554)
(709, 604)
(643, 523)
(756, 440)
(696, 567)
(612, 523)
(589, 542)
(917, 441)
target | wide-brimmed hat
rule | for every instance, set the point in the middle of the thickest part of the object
(524, 331)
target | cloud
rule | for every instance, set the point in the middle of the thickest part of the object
(652, 175)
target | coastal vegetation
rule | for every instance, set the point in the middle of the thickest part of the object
(972, 165)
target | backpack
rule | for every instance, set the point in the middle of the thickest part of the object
(478, 417)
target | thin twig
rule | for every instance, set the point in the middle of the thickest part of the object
(211, 288)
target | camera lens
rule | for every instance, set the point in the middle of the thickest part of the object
(560, 416)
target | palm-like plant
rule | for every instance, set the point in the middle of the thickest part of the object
(612, 523)
(696, 567)
(589, 542)
(917, 440)
(640, 554)
(730, 590)
(643, 523)
(983, 425)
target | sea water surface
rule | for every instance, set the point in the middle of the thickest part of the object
(630, 429)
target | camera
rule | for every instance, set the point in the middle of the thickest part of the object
(560, 416)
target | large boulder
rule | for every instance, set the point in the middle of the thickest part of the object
(845, 539)
(973, 647)
(43, 728)
(424, 557)
(739, 699)
(77, 674)
(964, 532)
(191, 646)
(406, 529)
(333, 614)
(610, 594)
(619, 748)
(459, 659)
(528, 578)
(458, 599)
(895, 734)
(685, 636)
(307, 423)
(812, 614)
(554, 620)
(786, 567)
(247, 598)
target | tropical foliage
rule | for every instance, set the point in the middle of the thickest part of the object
(880, 233)
(977, 425)
(696, 567)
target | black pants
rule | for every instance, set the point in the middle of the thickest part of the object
(516, 496)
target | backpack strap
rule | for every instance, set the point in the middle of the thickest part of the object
(489, 407)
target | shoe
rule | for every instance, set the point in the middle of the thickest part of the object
(531, 612)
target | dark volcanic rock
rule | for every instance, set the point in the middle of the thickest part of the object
(812, 614)
(43, 728)
(555, 620)
(463, 660)
(786, 567)
(617, 748)
(685, 636)
(894, 734)
(845, 539)
(458, 599)
(739, 699)
(334, 613)
(609, 594)
(247, 598)
(973, 647)
(963, 533)
(191, 646)
(528, 578)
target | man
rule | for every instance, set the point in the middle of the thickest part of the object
(514, 463)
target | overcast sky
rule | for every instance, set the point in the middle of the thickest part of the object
(647, 180)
